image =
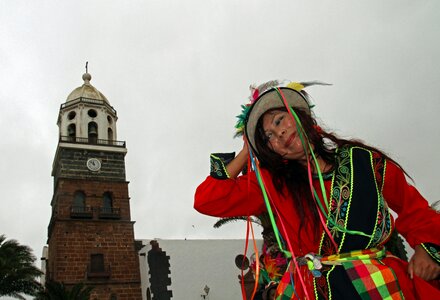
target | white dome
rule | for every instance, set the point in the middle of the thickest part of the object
(86, 91)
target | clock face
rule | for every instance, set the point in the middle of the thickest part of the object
(93, 164)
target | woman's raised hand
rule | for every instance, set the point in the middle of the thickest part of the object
(239, 162)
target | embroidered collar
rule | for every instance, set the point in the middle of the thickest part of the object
(327, 175)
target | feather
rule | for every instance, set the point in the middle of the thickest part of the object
(315, 82)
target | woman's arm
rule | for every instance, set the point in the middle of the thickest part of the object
(231, 195)
(416, 221)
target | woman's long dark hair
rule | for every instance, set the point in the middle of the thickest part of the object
(292, 174)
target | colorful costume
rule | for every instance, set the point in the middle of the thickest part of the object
(359, 191)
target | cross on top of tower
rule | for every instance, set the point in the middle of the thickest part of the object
(87, 77)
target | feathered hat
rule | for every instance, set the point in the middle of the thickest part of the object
(270, 95)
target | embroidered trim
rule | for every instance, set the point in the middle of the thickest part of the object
(218, 162)
(341, 193)
(388, 225)
(382, 226)
(433, 250)
(374, 238)
(390, 221)
(351, 174)
(325, 176)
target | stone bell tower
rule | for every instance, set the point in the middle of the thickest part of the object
(90, 234)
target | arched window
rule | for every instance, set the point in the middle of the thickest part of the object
(71, 132)
(79, 202)
(107, 210)
(110, 135)
(93, 132)
(107, 203)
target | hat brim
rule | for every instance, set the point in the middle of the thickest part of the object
(269, 100)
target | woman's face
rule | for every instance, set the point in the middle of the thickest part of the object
(281, 135)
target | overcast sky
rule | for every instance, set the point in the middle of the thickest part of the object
(177, 72)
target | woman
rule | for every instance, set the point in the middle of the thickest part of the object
(328, 199)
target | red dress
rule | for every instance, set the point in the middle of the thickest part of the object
(416, 221)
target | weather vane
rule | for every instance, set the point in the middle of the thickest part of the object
(87, 67)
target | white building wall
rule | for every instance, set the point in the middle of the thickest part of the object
(195, 264)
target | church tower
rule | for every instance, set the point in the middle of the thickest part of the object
(90, 234)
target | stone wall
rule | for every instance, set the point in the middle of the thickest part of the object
(73, 242)
(94, 191)
(71, 163)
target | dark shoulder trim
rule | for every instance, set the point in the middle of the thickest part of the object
(218, 163)
(433, 250)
